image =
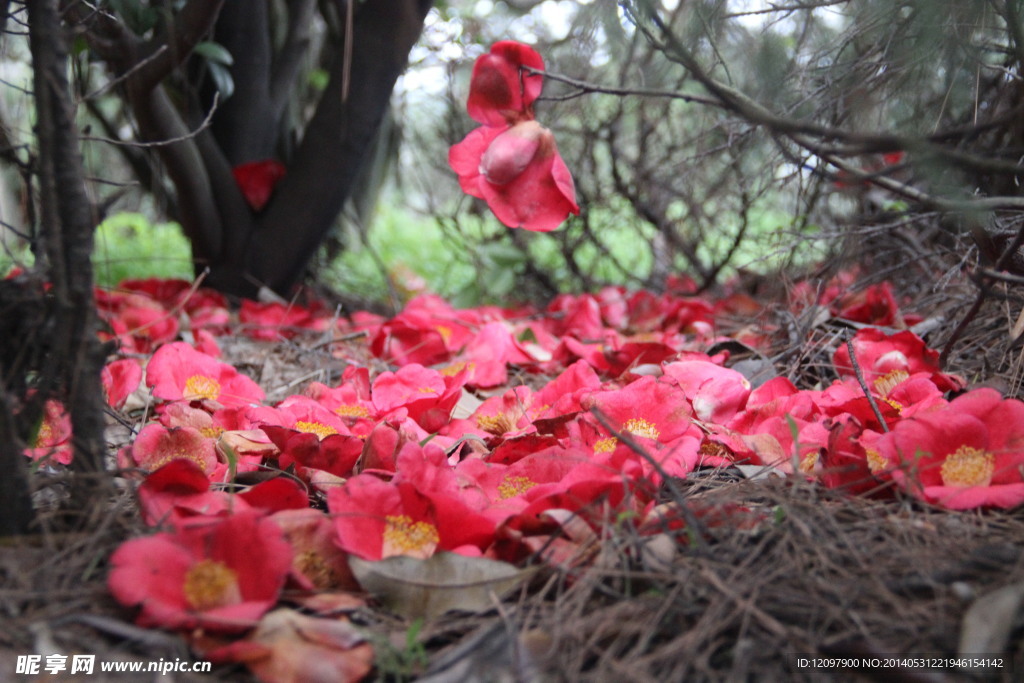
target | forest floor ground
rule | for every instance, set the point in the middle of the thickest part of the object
(821, 577)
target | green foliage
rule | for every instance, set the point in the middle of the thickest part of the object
(617, 250)
(401, 662)
(480, 261)
(14, 255)
(128, 245)
(218, 61)
(399, 240)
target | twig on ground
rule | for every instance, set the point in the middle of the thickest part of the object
(864, 386)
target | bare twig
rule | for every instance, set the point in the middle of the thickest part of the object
(864, 386)
(983, 293)
(677, 494)
(162, 143)
(585, 88)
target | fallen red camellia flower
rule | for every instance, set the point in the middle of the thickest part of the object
(219, 574)
(966, 456)
(178, 372)
(512, 161)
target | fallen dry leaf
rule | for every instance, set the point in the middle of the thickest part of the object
(444, 582)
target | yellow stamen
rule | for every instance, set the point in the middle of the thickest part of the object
(714, 449)
(876, 463)
(606, 445)
(495, 424)
(514, 486)
(178, 455)
(402, 536)
(315, 568)
(349, 410)
(808, 463)
(455, 368)
(210, 584)
(45, 436)
(895, 404)
(968, 467)
(641, 427)
(201, 386)
(889, 381)
(318, 428)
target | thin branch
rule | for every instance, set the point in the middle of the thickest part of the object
(983, 293)
(194, 23)
(120, 78)
(990, 274)
(1012, 17)
(585, 88)
(677, 494)
(864, 386)
(289, 58)
(148, 61)
(856, 142)
(796, 7)
(161, 143)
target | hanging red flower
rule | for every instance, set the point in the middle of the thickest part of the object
(256, 180)
(512, 161)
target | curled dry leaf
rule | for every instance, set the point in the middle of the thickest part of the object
(990, 620)
(424, 589)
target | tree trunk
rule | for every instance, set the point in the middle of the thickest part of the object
(66, 228)
(245, 249)
(324, 170)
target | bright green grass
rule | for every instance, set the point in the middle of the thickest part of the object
(129, 246)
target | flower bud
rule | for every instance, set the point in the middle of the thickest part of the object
(511, 152)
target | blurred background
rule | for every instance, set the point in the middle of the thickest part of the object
(841, 133)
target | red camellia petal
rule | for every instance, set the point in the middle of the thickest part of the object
(155, 446)
(966, 456)
(540, 198)
(276, 494)
(219, 574)
(53, 440)
(465, 157)
(500, 91)
(290, 646)
(120, 378)
(180, 490)
(510, 153)
(512, 162)
(179, 372)
(256, 180)
(535, 192)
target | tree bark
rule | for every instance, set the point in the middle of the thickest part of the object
(245, 250)
(326, 165)
(66, 227)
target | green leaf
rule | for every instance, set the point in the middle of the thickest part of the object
(140, 18)
(503, 254)
(214, 53)
(232, 458)
(222, 79)
(527, 336)
(501, 281)
(318, 79)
